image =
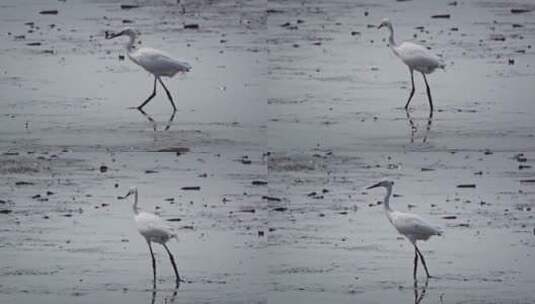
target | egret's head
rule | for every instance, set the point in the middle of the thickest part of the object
(126, 32)
(384, 183)
(132, 190)
(385, 23)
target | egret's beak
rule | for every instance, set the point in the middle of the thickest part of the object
(374, 186)
(109, 35)
(380, 25)
(125, 196)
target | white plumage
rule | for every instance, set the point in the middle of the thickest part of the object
(416, 57)
(154, 61)
(157, 62)
(153, 229)
(410, 225)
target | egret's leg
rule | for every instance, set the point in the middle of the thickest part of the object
(428, 92)
(150, 97)
(415, 262)
(428, 128)
(174, 264)
(153, 298)
(153, 264)
(412, 90)
(423, 261)
(168, 94)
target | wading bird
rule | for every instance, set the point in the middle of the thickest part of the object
(154, 61)
(416, 57)
(153, 229)
(412, 226)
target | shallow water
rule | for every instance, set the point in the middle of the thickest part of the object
(308, 107)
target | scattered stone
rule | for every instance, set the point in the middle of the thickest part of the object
(23, 183)
(271, 198)
(519, 10)
(441, 16)
(497, 37)
(520, 158)
(194, 188)
(178, 150)
(259, 183)
(274, 11)
(49, 12)
(129, 6)
(191, 26)
(176, 219)
(466, 186)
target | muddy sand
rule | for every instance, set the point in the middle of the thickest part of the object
(292, 108)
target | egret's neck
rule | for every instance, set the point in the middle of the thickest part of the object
(135, 207)
(130, 44)
(386, 201)
(391, 41)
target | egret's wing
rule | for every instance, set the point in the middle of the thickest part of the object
(152, 226)
(158, 62)
(416, 55)
(412, 224)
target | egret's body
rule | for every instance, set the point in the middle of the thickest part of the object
(410, 225)
(153, 229)
(154, 61)
(416, 57)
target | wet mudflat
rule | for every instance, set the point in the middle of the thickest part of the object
(337, 125)
(330, 240)
(67, 238)
(64, 85)
(313, 84)
(70, 146)
(333, 81)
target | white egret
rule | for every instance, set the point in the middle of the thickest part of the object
(412, 226)
(153, 229)
(154, 61)
(416, 57)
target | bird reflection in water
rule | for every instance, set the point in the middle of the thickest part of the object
(414, 127)
(170, 299)
(155, 124)
(419, 293)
